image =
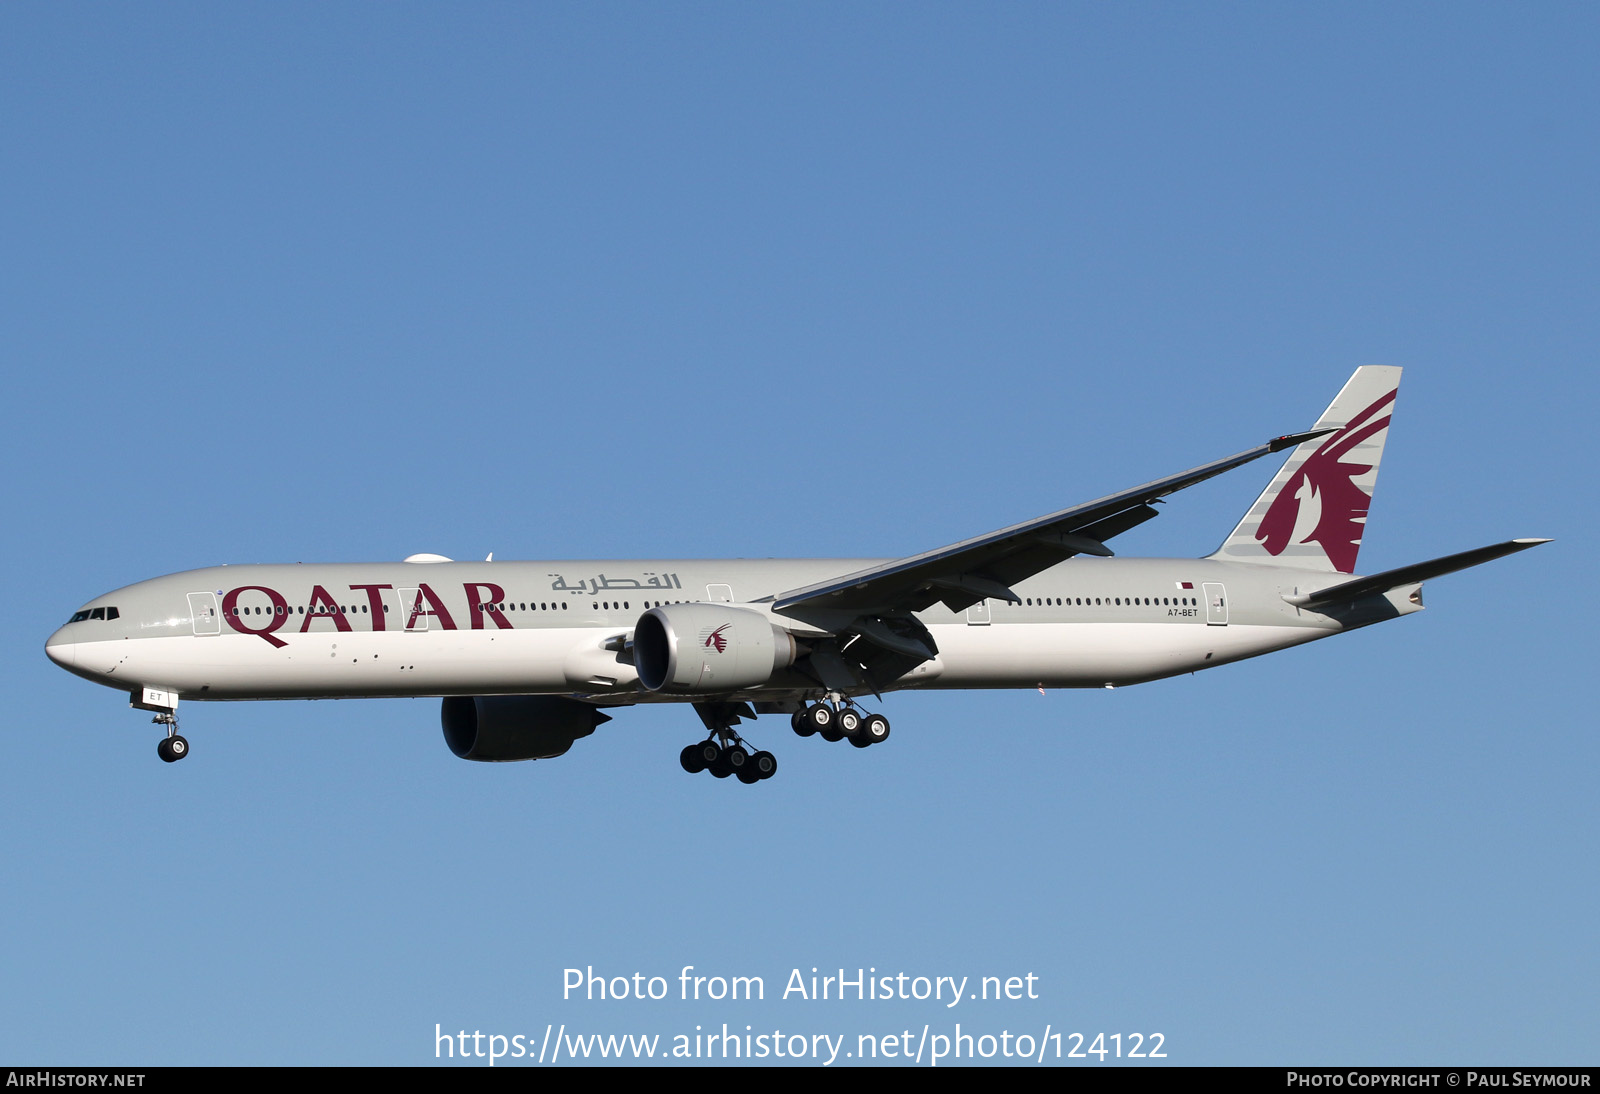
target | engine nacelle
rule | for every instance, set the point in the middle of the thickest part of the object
(701, 649)
(515, 727)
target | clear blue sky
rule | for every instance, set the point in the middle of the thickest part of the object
(290, 282)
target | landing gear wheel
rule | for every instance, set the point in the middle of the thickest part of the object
(861, 740)
(849, 722)
(692, 760)
(874, 728)
(721, 767)
(764, 764)
(819, 716)
(749, 775)
(737, 759)
(800, 720)
(172, 749)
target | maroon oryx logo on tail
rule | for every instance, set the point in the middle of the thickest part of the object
(716, 640)
(1329, 483)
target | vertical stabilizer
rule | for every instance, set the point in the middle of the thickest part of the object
(1314, 513)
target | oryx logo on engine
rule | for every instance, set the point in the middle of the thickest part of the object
(714, 639)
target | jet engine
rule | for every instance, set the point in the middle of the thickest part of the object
(515, 727)
(701, 649)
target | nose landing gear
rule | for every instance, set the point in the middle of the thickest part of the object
(172, 747)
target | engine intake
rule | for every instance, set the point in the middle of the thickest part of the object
(702, 649)
(515, 727)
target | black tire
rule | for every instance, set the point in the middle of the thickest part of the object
(164, 752)
(721, 768)
(874, 729)
(820, 717)
(710, 752)
(738, 759)
(860, 740)
(765, 765)
(748, 775)
(691, 760)
(849, 722)
(801, 723)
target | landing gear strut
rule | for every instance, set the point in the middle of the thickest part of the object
(172, 747)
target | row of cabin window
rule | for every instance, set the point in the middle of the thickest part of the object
(1032, 602)
(352, 610)
(602, 605)
(1118, 601)
(529, 607)
(362, 608)
(112, 613)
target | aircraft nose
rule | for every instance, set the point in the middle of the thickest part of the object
(61, 650)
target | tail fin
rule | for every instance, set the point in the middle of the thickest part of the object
(1314, 513)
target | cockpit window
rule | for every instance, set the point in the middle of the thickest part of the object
(79, 617)
(95, 613)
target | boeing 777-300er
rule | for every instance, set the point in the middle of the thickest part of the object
(528, 655)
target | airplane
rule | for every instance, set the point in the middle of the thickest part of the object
(528, 656)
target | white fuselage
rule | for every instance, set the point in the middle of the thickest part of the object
(561, 628)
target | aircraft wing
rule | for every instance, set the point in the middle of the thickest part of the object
(986, 566)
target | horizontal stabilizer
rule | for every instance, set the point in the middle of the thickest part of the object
(1363, 587)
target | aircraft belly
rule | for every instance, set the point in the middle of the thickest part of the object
(1067, 655)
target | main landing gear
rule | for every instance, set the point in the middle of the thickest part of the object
(172, 747)
(838, 721)
(731, 758)
(724, 753)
